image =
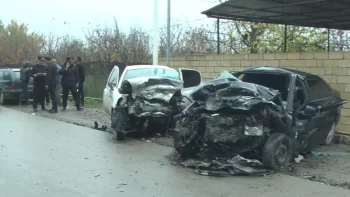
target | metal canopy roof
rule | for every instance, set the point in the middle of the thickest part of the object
(332, 14)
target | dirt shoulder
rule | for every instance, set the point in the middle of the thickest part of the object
(329, 164)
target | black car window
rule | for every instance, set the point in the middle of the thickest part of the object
(317, 89)
(278, 82)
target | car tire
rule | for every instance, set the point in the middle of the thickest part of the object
(115, 117)
(185, 150)
(277, 151)
(112, 122)
(330, 135)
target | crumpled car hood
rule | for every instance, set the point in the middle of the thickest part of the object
(155, 89)
(227, 94)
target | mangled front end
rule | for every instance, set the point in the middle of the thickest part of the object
(148, 104)
(230, 118)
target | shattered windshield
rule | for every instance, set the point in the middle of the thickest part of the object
(152, 72)
(226, 75)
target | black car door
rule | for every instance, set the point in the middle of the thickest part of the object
(327, 111)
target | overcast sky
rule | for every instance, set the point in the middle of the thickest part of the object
(50, 15)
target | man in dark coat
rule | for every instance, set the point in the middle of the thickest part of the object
(70, 82)
(50, 83)
(39, 75)
(47, 94)
(82, 79)
(25, 77)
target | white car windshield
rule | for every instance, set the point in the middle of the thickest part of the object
(152, 72)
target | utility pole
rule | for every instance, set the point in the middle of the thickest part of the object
(168, 35)
(155, 35)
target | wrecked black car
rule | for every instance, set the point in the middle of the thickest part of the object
(264, 113)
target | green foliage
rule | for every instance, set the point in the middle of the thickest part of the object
(259, 37)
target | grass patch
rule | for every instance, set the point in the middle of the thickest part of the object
(88, 101)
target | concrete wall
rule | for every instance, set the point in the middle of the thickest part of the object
(334, 67)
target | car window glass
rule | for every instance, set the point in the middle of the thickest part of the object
(7, 75)
(317, 89)
(226, 75)
(113, 79)
(18, 75)
(278, 82)
(152, 72)
(1, 75)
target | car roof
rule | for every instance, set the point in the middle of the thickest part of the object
(271, 69)
(133, 67)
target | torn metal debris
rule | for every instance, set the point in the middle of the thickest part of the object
(147, 103)
(102, 128)
(229, 167)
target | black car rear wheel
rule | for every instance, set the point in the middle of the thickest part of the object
(277, 151)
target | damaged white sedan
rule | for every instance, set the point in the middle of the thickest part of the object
(146, 98)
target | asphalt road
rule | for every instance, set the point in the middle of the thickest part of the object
(46, 157)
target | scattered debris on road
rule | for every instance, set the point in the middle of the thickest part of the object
(232, 167)
(103, 128)
(337, 154)
(97, 175)
(298, 159)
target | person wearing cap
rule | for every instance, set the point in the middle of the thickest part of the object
(70, 82)
(24, 77)
(50, 83)
(39, 76)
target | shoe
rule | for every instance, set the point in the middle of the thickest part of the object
(52, 111)
(35, 110)
(79, 109)
(64, 109)
(44, 109)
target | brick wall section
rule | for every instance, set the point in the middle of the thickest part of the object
(334, 67)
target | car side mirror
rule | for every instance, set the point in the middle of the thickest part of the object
(191, 78)
(309, 111)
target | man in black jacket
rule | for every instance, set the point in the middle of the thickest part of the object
(25, 76)
(39, 75)
(50, 83)
(82, 79)
(70, 82)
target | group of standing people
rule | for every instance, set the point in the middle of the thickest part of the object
(49, 78)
